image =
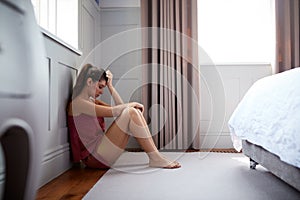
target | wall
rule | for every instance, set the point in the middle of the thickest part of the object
(235, 81)
(62, 71)
(89, 31)
(117, 17)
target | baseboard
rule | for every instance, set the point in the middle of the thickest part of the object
(216, 150)
(55, 162)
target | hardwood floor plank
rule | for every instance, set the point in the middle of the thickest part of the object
(71, 185)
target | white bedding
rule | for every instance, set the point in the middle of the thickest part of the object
(269, 116)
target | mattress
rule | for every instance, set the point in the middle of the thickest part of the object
(269, 116)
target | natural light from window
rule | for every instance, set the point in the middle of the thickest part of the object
(237, 31)
(59, 17)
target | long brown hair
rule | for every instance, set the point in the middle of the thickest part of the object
(88, 71)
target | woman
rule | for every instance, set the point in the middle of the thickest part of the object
(90, 143)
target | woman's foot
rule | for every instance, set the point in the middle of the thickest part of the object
(164, 163)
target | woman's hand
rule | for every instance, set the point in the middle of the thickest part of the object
(117, 110)
(117, 99)
(109, 76)
(137, 106)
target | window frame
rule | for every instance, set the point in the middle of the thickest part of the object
(48, 23)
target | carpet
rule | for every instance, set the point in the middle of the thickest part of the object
(203, 175)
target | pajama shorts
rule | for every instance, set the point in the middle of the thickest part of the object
(91, 162)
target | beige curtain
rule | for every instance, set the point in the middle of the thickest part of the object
(171, 72)
(287, 35)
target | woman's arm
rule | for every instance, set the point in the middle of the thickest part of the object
(99, 102)
(117, 99)
(90, 108)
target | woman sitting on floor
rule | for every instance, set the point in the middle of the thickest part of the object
(90, 143)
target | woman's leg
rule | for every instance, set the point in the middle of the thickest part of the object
(138, 127)
(112, 144)
(131, 122)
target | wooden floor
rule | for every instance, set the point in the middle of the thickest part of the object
(71, 185)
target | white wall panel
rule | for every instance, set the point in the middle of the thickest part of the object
(236, 80)
(89, 32)
(88, 27)
(62, 72)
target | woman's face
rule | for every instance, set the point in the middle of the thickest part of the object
(98, 88)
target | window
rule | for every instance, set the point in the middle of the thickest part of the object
(59, 17)
(237, 31)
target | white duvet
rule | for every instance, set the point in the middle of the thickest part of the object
(269, 116)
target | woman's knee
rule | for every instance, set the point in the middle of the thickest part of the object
(128, 116)
(129, 112)
(136, 116)
(134, 112)
(124, 119)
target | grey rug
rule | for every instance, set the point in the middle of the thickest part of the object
(202, 176)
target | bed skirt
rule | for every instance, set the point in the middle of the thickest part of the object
(288, 173)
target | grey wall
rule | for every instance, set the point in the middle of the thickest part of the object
(61, 63)
(115, 21)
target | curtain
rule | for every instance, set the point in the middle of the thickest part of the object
(171, 72)
(287, 35)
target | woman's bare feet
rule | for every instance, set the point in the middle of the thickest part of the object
(164, 163)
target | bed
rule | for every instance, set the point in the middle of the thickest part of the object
(266, 125)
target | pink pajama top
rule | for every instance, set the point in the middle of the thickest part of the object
(85, 133)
